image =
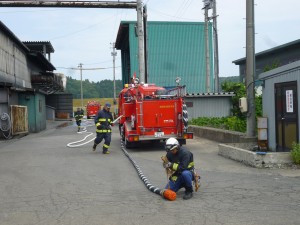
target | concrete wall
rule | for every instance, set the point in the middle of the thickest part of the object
(220, 135)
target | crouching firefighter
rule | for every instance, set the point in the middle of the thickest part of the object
(103, 121)
(180, 161)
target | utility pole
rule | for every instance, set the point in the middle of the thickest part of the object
(216, 50)
(81, 91)
(114, 54)
(140, 33)
(145, 19)
(207, 5)
(250, 67)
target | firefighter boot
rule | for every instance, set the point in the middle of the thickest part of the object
(188, 193)
(105, 150)
(94, 146)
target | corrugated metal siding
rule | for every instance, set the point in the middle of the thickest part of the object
(13, 64)
(175, 49)
(209, 106)
(282, 74)
(63, 103)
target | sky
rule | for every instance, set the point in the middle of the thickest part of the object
(86, 35)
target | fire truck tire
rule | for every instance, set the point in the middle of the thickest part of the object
(128, 144)
(122, 132)
(185, 116)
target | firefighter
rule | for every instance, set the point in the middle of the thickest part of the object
(181, 162)
(78, 117)
(103, 122)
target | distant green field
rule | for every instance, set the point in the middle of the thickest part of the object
(102, 101)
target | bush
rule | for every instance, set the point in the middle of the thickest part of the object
(295, 153)
(229, 123)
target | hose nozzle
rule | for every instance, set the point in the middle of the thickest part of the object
(169, 194)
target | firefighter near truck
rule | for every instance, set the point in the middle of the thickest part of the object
(152, 113)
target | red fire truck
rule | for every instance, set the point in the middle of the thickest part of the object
(151, 113)
(92, 109)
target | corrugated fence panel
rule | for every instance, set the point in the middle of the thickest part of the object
(208, 106)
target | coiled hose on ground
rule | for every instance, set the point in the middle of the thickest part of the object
(81, 142)
(5, 125)
(166, 193)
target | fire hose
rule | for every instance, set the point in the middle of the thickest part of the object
(185, 116)
(5, 125)
(76, 143)
(166, 193)
(81, 142)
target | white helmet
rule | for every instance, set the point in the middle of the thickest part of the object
(171, 144)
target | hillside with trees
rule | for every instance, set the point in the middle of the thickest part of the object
(101, 89)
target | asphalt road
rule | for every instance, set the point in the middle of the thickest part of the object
(42, 181)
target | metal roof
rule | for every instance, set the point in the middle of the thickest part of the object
(41, 60)
(38, 46)
(280, 70)
(275, 50)
(11, 35)
(221, 94)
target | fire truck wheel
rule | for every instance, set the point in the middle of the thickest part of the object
(122, 132)
(128, 144)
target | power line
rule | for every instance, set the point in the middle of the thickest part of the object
(73, 68)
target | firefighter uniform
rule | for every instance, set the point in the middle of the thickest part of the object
(182, 163)
(103, 122)
(78, 117)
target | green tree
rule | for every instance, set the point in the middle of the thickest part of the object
(239, 90)
(275, 64)
(102, 89)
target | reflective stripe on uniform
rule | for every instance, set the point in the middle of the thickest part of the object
(175, 166)
(174, 178)
(103, 131)
(191, 164)
(106, 146)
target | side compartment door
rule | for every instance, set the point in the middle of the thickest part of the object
(160, 113)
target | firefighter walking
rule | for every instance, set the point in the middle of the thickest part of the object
(181, 163)
(103, 121)
(78, 117)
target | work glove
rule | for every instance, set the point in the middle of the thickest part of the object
(167, 165)
(112, 124)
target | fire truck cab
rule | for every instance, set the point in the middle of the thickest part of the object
(92, 109)
(152, 113)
